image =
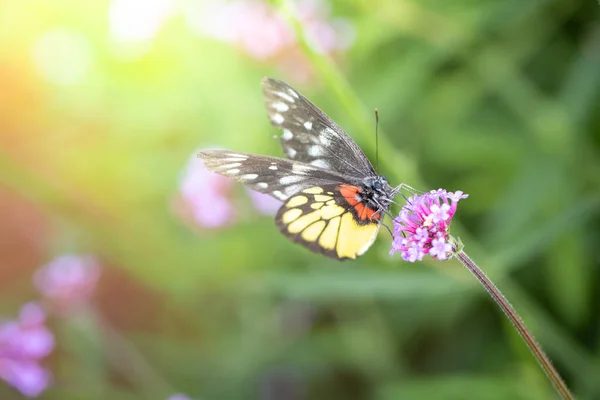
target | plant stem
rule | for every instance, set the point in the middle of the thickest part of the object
(519, 325)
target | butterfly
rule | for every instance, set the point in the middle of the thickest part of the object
(334, 201)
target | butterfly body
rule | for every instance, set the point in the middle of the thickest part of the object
(333, 199)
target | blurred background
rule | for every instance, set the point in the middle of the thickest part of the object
(116, 283)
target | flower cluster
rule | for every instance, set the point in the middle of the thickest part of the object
(422, 226)
(65, 282)
(261, 31)
(209, 197)
(264, 203)
(68, 281)
(23, 344)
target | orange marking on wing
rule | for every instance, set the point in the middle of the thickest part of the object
(350, 192)
(372, 214)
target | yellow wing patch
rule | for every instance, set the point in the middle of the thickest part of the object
(322, 198)
(329, 236)
(316, 220)
(313, 190)
(296, 201)
(355, 239)
(291, 215)
(313, 232)
(303, 222)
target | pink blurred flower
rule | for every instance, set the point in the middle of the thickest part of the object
(179, 396)
(260, 30)
(252, 25)
(207, 195)
(23, 343)
(264, 203)
(423, 224)
(68, 281)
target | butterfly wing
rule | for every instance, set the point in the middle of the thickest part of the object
(309, 135)
(278, 177)
(326, 220)
(320, 184)
(320, 210)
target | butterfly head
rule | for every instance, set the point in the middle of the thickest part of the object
(377, 193)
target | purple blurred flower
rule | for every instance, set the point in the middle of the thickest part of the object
(68, 281)
(251, 25)
(264, 203)
(23, 343)
(263, 32)
(322, 34)
(207, 195)
(422, 226)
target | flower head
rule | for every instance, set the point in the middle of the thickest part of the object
(207, 195)
(23, 343)
(262, 31)
(422, 226)
(68, 281)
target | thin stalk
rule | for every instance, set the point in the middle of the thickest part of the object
(519, 325)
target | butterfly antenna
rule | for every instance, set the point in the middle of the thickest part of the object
(377, 140)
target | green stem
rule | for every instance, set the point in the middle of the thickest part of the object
(128, 360)
(519, 325)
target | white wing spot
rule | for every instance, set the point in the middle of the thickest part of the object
(308, 125)
(291, 152)
(227, 166)
(300, 169)
(292, 189)
(326, 135)
(277, 119)
(287, 134)
(249, 177)
(292, 93)
(238, 155)
(286, 180)
(280, 106)
(262, 185)
(320, 163)
(273, 167)
(330, 132)
(233, 171)
(315, 151)
(279, 195)
(285, 96)
(325, 140)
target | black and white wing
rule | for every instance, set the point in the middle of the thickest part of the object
(278, 177)
(309, 135)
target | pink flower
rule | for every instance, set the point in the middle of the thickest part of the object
(422, 226)
(23, 343)
(207, 195)
(264, 203)
(68, 281)
(263, 32)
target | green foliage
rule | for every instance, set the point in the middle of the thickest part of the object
(498, 99)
